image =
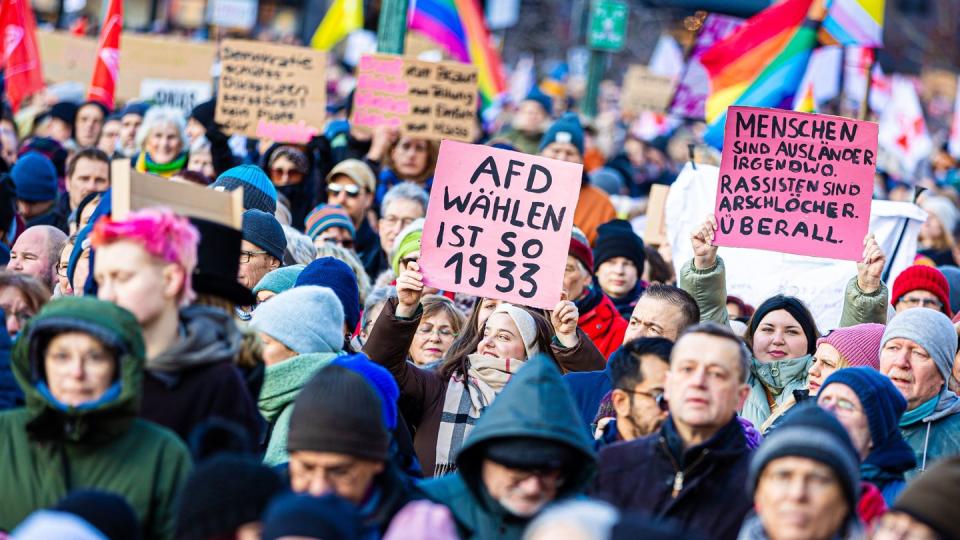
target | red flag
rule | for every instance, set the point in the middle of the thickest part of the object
(21, 58)
(104, 84)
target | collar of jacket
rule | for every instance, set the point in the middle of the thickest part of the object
(208, 336)
(775, 376)
(729, 441)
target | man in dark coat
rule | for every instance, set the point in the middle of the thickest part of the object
(694, 470)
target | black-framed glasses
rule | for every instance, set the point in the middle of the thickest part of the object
(62, 270)
(245, 256)
(657, 397)
(352, 190)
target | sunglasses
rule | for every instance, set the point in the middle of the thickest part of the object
(352, 190)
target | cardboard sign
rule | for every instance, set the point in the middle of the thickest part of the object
(644, 91)
(133, 190)
(656, 231)
(69, 58)
(430, 100)
(268, 91)
(498, 224)
(795, 182)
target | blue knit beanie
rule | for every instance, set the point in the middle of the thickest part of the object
(380, 379)
(283, 318)
(882, 403)
(35, 178)
(565, 130)
(952, 273)
(545, 101)
(258, 190)
(279, 280)
(335, 274)
(264, 231)
(305, 516)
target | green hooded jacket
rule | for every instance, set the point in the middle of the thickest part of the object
(281, 384)
(534, 403)
(47, 448)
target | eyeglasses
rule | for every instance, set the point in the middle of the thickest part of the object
(345, 243)
(548, 478)
(280, 174)
(441, 331)
(245, 256)
(390, 221)
(657, 397)
(62, 270)
(921, 302)
(21, 316)
(840, 405)
(352, 190)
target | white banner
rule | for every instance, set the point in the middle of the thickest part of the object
(756, 275)
(182, 95)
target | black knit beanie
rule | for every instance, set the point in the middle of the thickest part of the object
(224, 493)
(616, 238)
(109, 513)
(338, 412)
(795, 308)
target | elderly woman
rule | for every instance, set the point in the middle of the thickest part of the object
(21, 297)
(161, 141)
(201, 159)
(440, 325)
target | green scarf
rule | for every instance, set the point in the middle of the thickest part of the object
(921, 412)
(146, 163)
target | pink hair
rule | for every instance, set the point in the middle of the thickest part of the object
(163, 234)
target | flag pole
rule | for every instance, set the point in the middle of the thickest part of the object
(865, 104)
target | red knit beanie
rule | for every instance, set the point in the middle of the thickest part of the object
(859, 344)
(580, 249)
(926, 278)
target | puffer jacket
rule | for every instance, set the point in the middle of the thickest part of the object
(936, 436)
(48, 448)
(600, 320)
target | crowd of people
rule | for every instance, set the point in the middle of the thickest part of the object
(168, 376)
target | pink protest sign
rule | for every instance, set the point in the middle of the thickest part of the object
(498, 224)
(795, 182)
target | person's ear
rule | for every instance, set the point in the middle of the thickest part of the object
(174, 278)
(742, 395)
(274, 262)
(620, 401)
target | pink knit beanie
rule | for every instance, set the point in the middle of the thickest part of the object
(859, 344)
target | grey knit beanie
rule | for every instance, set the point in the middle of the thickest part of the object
(307, 319)
(339, 412)
(929, 329)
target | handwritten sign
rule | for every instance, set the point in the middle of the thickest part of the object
(431, 100)
(644, 91)
(795, 182)
(498, 224)
(271, 91)
(656, 229)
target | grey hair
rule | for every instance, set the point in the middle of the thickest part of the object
(200, 144)
(590, 519)
(710, 328)
(329, 249)
(300, 249)
(405, 191)
(376, 297)
(158, 116)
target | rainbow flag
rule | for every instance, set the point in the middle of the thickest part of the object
(459, 27)
(854, 22)
(762, 63)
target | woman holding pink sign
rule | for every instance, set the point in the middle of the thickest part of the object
(443, 404)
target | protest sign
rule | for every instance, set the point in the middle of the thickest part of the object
(275, 92)
(645, 91)
(133, 190)
(182, 95)
(756, 275)
(70, 58)
(431, 100)
(795, 182)
(656, 229)
(498, 224)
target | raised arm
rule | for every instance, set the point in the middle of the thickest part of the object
(704, 276)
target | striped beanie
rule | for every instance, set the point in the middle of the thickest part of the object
(325, 216)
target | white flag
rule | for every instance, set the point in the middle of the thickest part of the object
(903, 131)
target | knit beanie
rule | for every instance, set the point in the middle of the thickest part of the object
(339, 277)
(882, 403)
(49, 147)
(294, 154)
(138, 108)
(537, 96)
(858, 344)
(945, 211)
(813, 433)
(258, 190)
(525, 324)
(339, 412)
(580, 249)
(566, 129)
(929, 329)
(222, 494)
(204, 112)
(65, 111)
(952, 275)
(279, 280)
(926, 278)
(325, 216)
(47, 524)
(407, 242)
(34, 178)
(796, 309)
(607, 179)
(307, 319)
(109, 513)
(264, 231)
(379, 379)
(616, 238)
(304, 516)
(356, 170)
(931, 498)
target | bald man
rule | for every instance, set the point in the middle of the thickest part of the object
(37, 252)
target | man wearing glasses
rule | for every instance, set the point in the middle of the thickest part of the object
(351, 185)
(402, 205)
(921, 286)
(639, 370)
(262, 247)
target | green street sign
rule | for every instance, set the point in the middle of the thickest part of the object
(607, 30)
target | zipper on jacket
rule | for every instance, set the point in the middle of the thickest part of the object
(680, 474)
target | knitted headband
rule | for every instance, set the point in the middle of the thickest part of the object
(525, 324)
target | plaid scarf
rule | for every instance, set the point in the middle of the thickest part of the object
(465, 400)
